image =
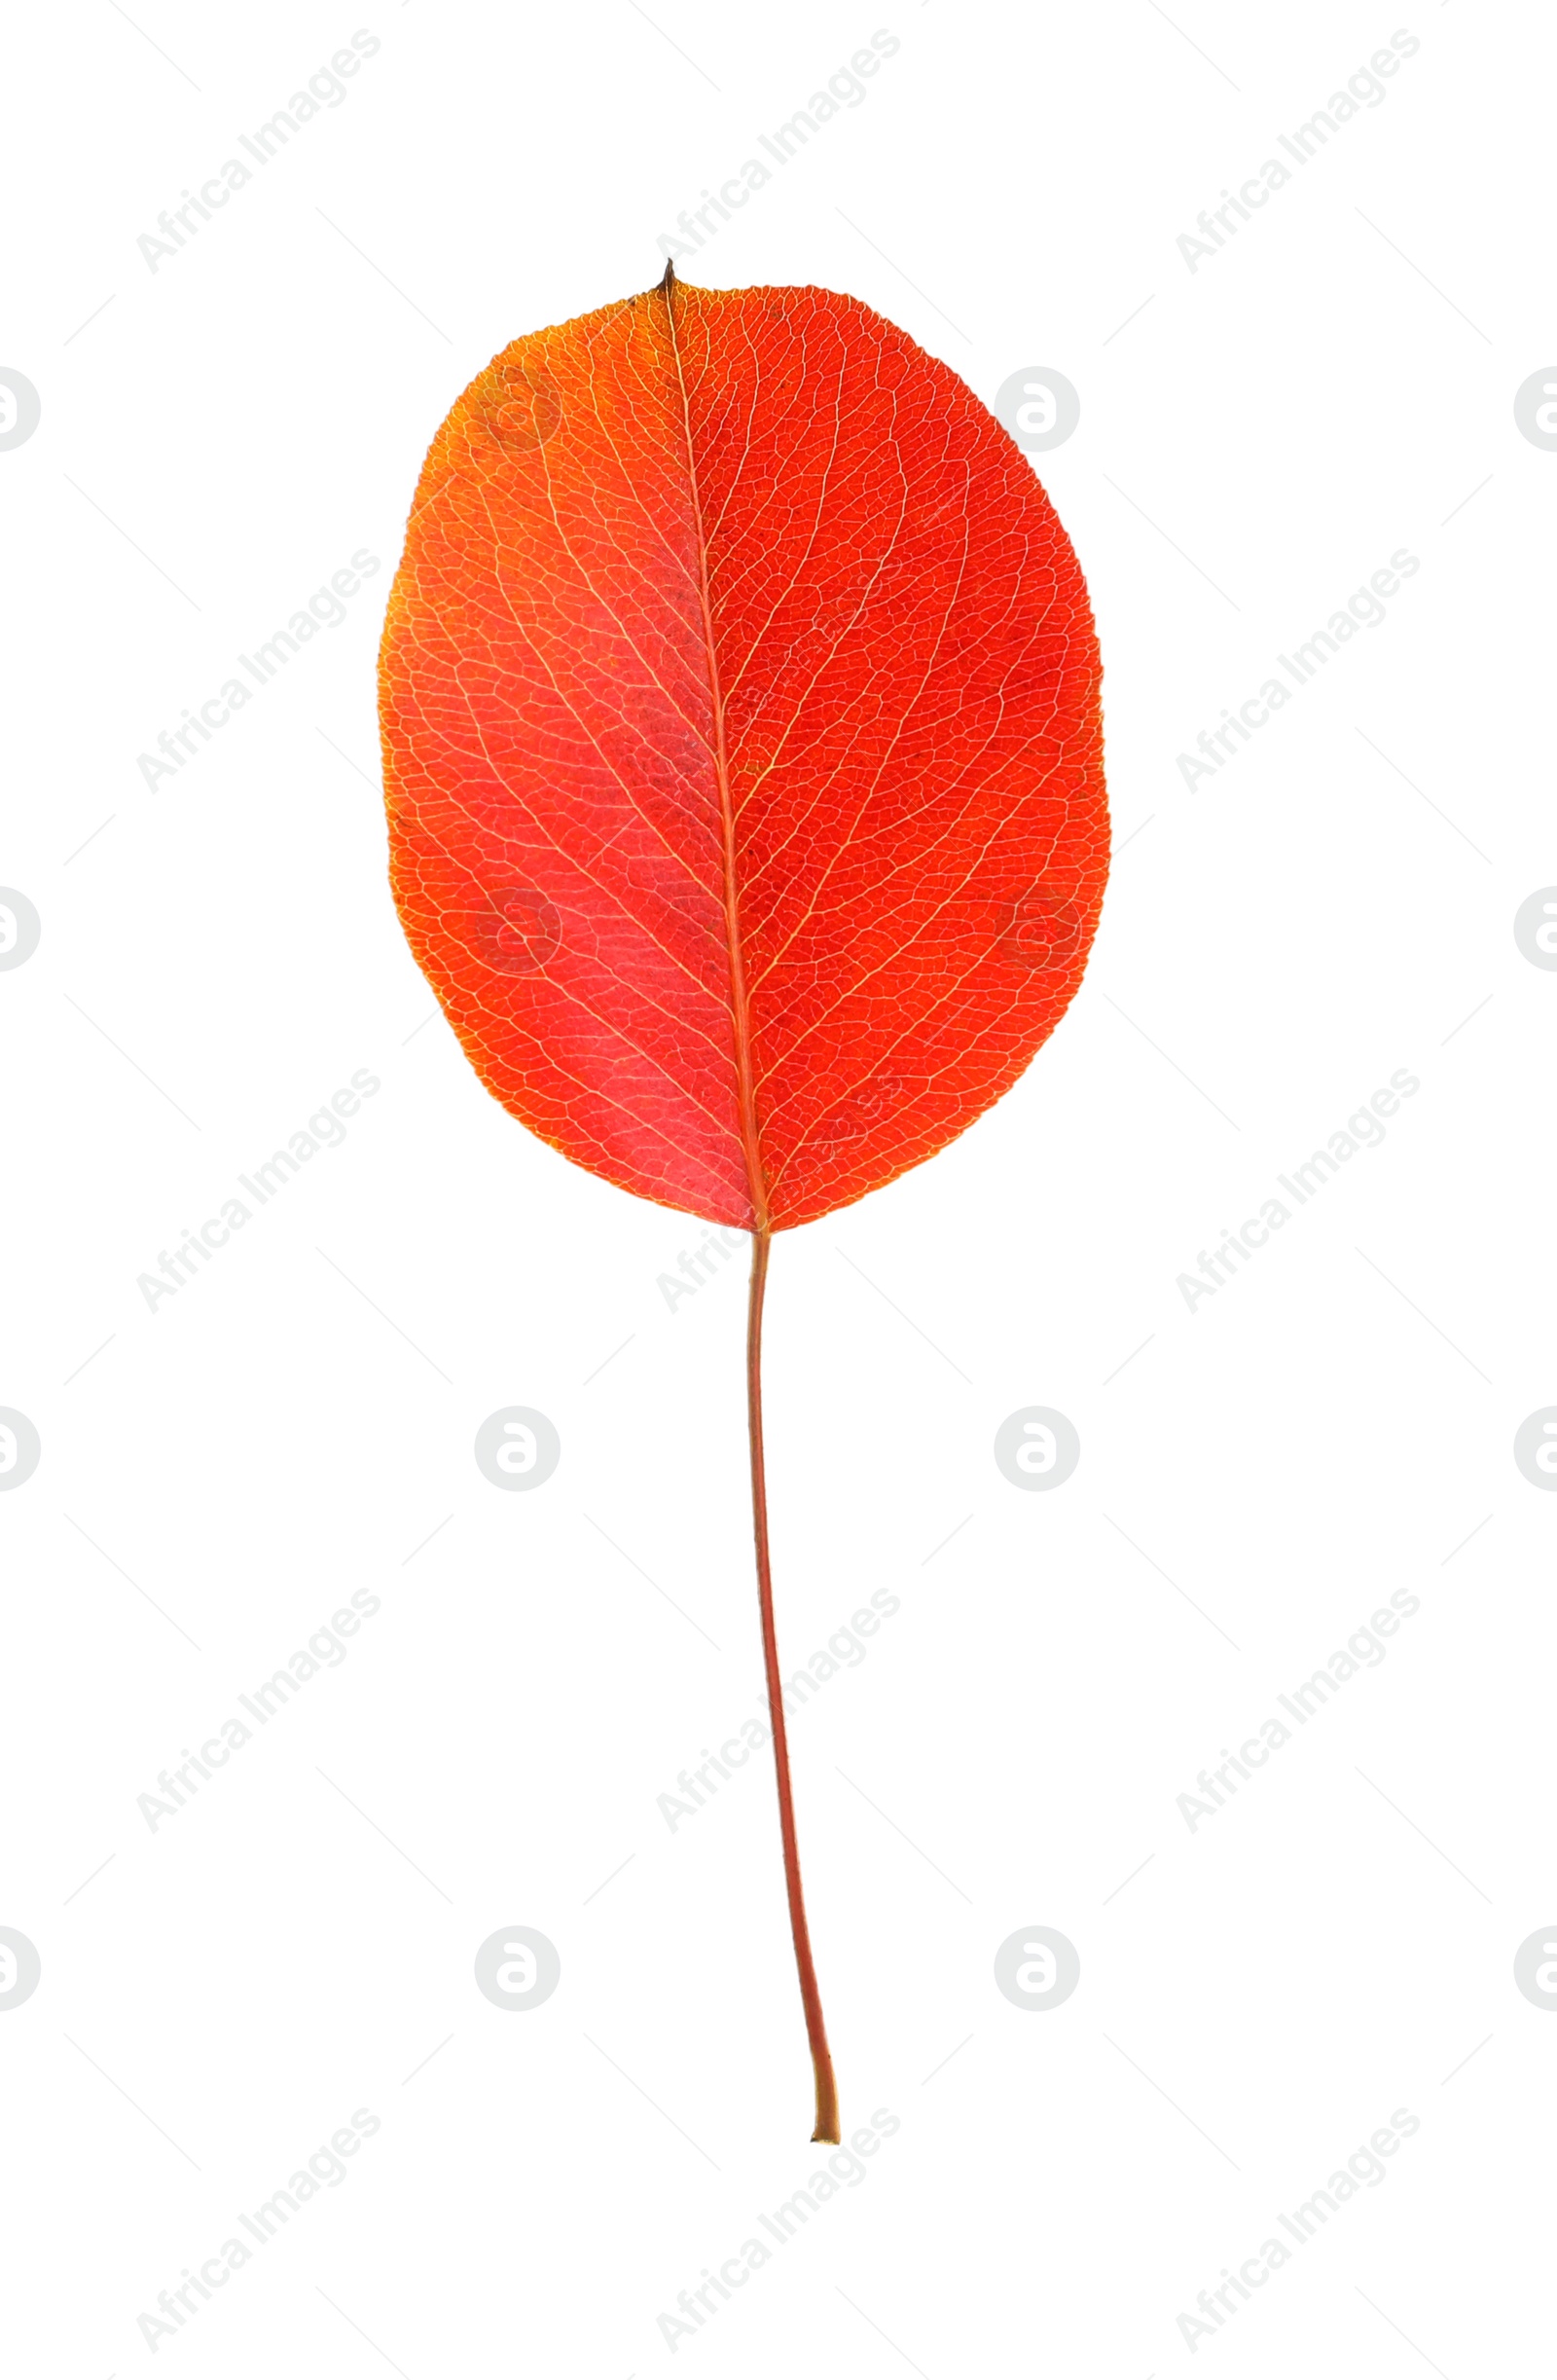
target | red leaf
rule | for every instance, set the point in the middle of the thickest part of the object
(742, 746)
(744, 771)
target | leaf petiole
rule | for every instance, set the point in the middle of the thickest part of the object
(811, 1997)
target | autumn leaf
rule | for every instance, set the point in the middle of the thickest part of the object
(742, 753)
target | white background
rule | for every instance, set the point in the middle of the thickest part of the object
(1332, 1426)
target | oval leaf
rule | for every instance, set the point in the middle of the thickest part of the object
(743, 747)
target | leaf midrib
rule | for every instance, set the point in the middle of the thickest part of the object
(739, 999)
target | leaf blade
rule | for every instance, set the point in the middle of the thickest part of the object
(733, 639)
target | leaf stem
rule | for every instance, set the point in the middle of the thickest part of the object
(761, 1241)
(811, 1997)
